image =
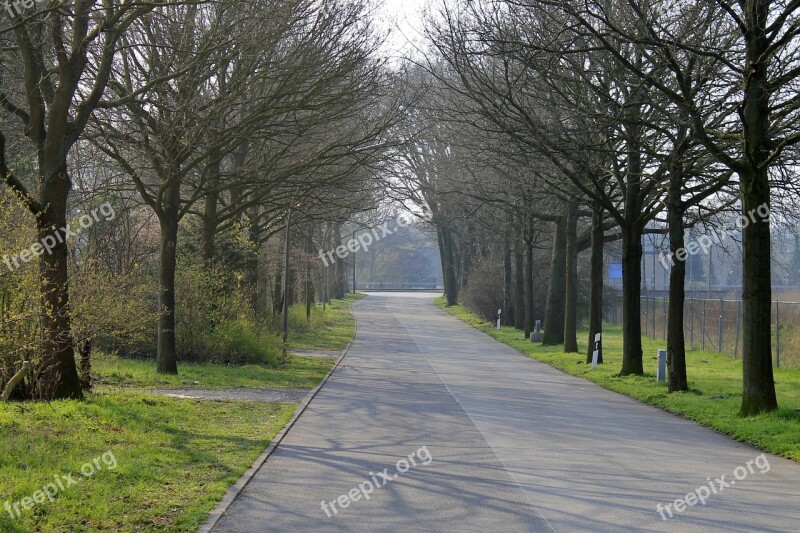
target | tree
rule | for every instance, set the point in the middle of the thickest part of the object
(755, 44)
(64, 58)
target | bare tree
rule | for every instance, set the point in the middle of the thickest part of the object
(64, 55)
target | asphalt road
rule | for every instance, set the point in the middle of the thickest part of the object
(497, 442)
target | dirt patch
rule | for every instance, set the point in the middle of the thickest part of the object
(240, 394)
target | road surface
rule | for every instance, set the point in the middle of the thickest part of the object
(430, 425)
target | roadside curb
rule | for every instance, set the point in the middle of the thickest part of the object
(233, 492)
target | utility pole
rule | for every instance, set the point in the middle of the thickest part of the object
(354, 266)
(325, 295)
(286, 283)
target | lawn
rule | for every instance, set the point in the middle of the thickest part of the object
(715, 384)
(174, 459)
(330, 330)
(299, 372)
(140, 462)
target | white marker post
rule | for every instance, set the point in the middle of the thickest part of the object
(499, 314)
(596, 352)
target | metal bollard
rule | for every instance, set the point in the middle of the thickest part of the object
(662, 366)
(536, 334)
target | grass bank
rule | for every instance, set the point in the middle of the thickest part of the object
(155, 463)
(715, 383)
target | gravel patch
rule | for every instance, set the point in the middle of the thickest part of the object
(316, 353)
(243, 394)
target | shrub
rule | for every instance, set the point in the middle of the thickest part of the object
(240, 342)
(484, 294)
(20, 308)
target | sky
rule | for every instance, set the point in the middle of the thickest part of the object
(403, 18)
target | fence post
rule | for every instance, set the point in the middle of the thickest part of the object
(721, 318)
(703, 327)
(778, 333)
(738, 319)
(691, 324)
(644, 315)
(654, 318)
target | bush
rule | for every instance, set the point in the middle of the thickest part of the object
(484, 294)
(239, 342)
(115, 311)
(20, 307)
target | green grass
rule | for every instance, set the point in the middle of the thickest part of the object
(299, 372)
(715, 383)
(332, 330)
(175, 458)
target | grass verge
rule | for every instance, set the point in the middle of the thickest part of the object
(330, 330)
(715, 383)
(173, 459)
(299, 372)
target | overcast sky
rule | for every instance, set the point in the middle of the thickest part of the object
(404, 19)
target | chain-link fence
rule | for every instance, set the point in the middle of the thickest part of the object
(716, 325)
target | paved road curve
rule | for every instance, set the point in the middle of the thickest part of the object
(510, 445)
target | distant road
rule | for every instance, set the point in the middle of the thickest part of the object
(514, 445)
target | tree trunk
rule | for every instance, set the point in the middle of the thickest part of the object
(571, 281)
(209, 229)
(465, 256)
(340, 280)
(277, 292)
(339, 266)
(58, 378)
(519, 282)
(252, 264)
(309, 285)
(758, 394)
(85, 352)
(167, 361)
(447, 253)
(676, 343)
(554, 312)
(528, 277)
(631, 302)
(508, 282)
(596, 290)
